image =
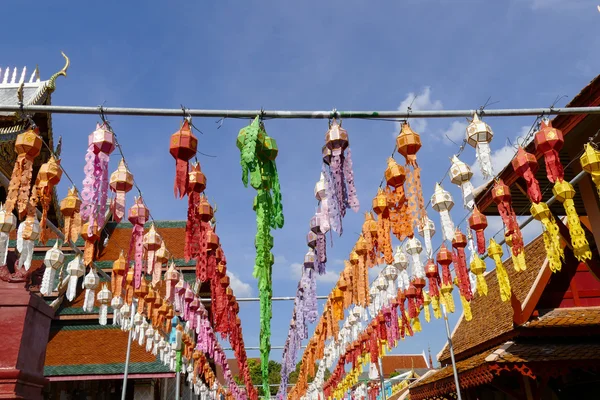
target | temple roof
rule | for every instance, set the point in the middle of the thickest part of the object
(394, 362)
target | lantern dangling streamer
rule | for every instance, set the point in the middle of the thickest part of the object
(341, 187)
(479, 136)
(75, 268)
(413, 311)
(590, 163)
(518, 261)
(27, 146)
(370, 232)
(426, 303)
(117, 276)
(91, 236)
(460, 265)
(408, 143)
(200, 212)
(138, 216)
(27, 234)
(48, 176)
(101, 143)
(309, 284)
(478, 222)
(460, 175)
(183, 147)
(426, 231)
(433, 276)
(257, 158)
(414, 248)
(152, 242)
(551, 234)
(104, 297)
(8, 223)
(90, 283)
(466, 308)
(501, 196)
(116, 303)
(548, 141)
(319, 226)
(525, 164)
(442, 202)
(401, 264)
(391, 274)
(477, 269)
(53, 260)
(161, 258)
(565, 193)
(321, 194)
(444, 258)
(401, 219)
(384, 240)
(495, 252)
(121, 182)
(70, 209)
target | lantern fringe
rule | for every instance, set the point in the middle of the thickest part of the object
(435, 304)
(447, 225)
(554, 257)
(468, 194)
(581, 248)
(24, 246)
(448, 299)
(503, 281)
(4, 238)
(466, 308)
(426, 312)
(89, 298)
(484, 159)
(416, 324)
(103, 315)
(48, 281)
(519, 263)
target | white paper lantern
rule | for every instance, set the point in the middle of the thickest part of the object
(427, 230)
(116, 304)
(442, 202)
(27, 234)
(414, 249)
(401, 264)
(479, 135)
(75, 269)
(149, 338)
(53, 260)
(90, 283)
(125, 317)
(460, 174)
(8, 223)
(104, 296)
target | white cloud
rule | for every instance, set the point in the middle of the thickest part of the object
(421, 101)
(330, 276)
(456, 133)
(240, 288)
(557, 4)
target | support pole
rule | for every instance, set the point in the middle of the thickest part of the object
(178, 376)
(129, 340)
(382, 379)
(454, 371)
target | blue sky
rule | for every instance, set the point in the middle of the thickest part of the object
(309, 55)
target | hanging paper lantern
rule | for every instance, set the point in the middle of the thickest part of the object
(478, 222)
(101, 143)
(495, 252)
(199, 214)
(91, 236)
(90, 283)
(53, 260)
(525, 164)
(502, 197)
(75, 268)
(152, 242)
(548, 141)
(48, 176)
(426, 303)
(401, 264)
(444, 258)
(138, 216)
(479, 135)
(391, 274)
(551, 235)
(565, 193)
(427, 230)
(161, 258)
(433, 276)
(319, 226)
(460, 175)
(117, 275)
(69, 208)
(413, 311)
(370, 232)
(401, 219)
(442, 202)
(27, 147)
(414, 248)
(477, 266)
(8, 223)
(590, 163)
(121, 182)
(518, 260)
(116, 303)
(321, 194)
(171, 276)
(183, 147)
(141, 293)
(408, 143)
(384, 241)
(104, 297)
(27, 234)
(459, 242)
(311, 239)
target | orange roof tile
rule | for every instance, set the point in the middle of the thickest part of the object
(540, 352)
(491, 316)
(393, 362)
(566, 318)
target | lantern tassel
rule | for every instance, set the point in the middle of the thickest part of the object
(136, 250)
(466, 308)
(554, 260)
(116, 310)
(4, 238)
(72, 287)
(480, 235)
(447, 225)
(435, 305)
(48, 281)
(119, 206)
(103, 316)
(24, 247)
(495, 252)
(581, 248)
(483, 154)
(554, 168)
(468, 194)
(416, 324)
(349, 175)
(181, 178)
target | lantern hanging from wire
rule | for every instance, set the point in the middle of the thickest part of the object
(495, 252)
(310, 286)
(161, 258)
(426, 231)
(433, 276)
(590, 163)
(414, 248)
(391, 274)
(459, 260)
(183, 147)
(401, 219)
(548, 141)
(90, 236)
(121, 182)
(116, 303)
(138, 216)
(525, 165)
(426, 303)
(370, 232)
(47, 178)
(551, 235)
(171, 278)
(75, 268)
(90, 284)
(199, 214)
(152, 242)
(479, 135)
(321, 194)
(70, 210)
(384, 241)
(8, 223)
(502, 197)
(401, 264)
(104, 297)
(477, 266)
(319, 226)
(27, 146)
(442, 202)
(413, 310)
(118, 275)
(53, 260)
(518, 261)
(460, 175)
(27, 234)
(408, 143)
(478, 223)
(444, 258)
(101, 143)
(565, 193)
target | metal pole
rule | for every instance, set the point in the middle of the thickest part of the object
(126, 372)
(178, 112)
(178, 376)
(382, 379)
(455, 372)
(249, 299)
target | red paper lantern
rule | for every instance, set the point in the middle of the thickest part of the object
(183, 147)
(478, 222)
(525, 164)
(433, 275)
(444, 258)
(549, 141)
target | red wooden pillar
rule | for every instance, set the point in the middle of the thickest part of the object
(24, 329)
